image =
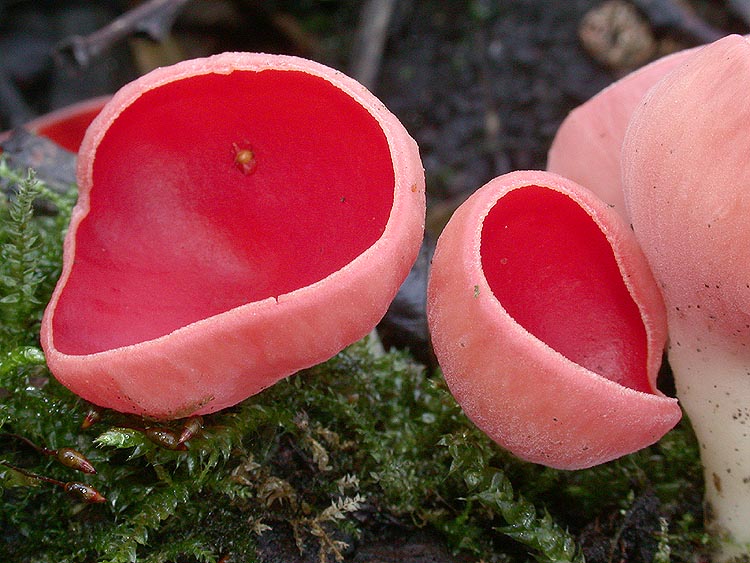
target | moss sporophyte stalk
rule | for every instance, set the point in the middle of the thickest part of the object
(331, 457)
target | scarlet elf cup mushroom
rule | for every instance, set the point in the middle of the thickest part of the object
(685, 159)
(240, 217)
(547, 323)
(65, 126)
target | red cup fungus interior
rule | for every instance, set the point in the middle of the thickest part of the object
(214, 200)
(69, 131)
(554, 272)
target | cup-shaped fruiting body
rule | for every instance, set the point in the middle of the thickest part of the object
(67, 126)
(686, 163)
(547, 323)
(240, 217)
(586, 147)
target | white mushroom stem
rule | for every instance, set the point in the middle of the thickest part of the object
(685, 164)
(713, 384)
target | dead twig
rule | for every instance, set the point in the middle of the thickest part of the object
(153, 18)
(674, 16)
(372, 33)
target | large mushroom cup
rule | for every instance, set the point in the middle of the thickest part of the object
(240, 217)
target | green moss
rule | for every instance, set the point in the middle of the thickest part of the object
(358, 442)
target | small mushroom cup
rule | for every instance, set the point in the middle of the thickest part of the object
(547, 323)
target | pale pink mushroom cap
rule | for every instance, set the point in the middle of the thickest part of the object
(547, 323)
(686, 170)
(686, 175)
(196, 274)
(587, 145)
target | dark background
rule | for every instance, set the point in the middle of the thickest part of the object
(482, 85)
